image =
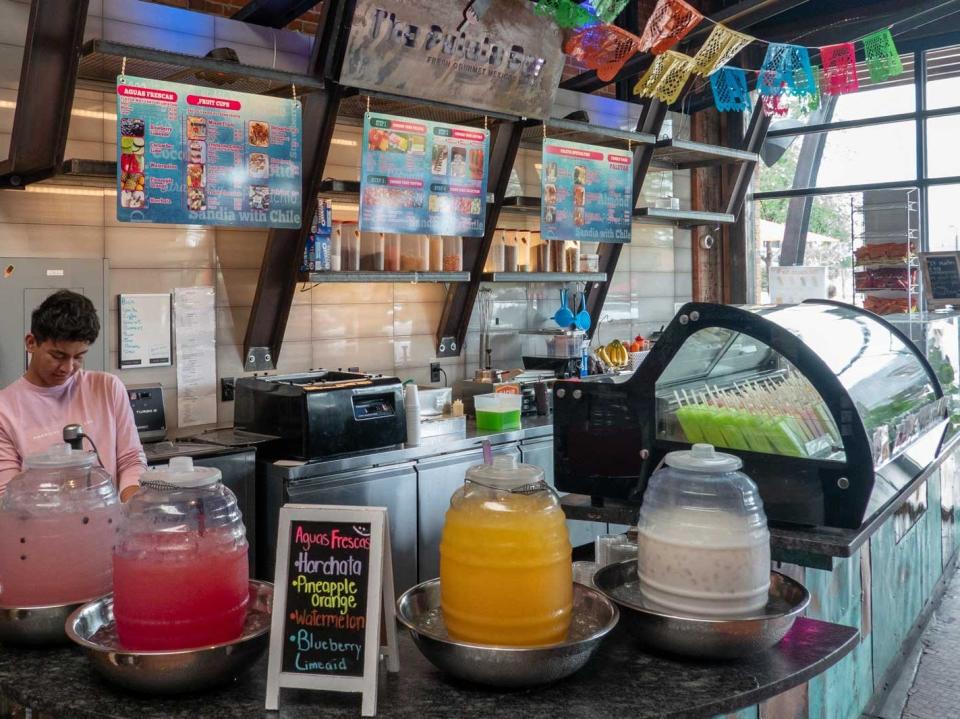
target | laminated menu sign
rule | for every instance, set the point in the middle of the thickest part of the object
(199, 155)
(421, 177)
(333, 600)
(587, 193)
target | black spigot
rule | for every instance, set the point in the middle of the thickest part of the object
(73, 435)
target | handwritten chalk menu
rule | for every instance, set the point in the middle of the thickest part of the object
(941, 277)
(333, 600)
(421, 177)
(144, 326)
(199, 155)
(586, 192)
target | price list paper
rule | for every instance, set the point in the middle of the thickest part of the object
(587, 193)
(333, 600)
(194, 317)
(198, 155)
(421, 177)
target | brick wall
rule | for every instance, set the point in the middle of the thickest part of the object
(307, 23)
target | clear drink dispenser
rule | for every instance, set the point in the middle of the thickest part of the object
(702, 537)
(58, 523)
(181, 577)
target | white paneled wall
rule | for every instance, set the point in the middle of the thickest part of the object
(377, 327)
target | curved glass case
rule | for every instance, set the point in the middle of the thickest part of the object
(831, 408)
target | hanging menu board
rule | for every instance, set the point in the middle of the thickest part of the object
(420, 177)
(941, 277)
(333, 599)
(587, 193)
(199, 155)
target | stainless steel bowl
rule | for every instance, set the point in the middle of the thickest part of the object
(35, 626)
(703, 638)
(593, 617)
(171, 672)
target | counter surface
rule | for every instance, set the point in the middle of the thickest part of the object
(621, 681)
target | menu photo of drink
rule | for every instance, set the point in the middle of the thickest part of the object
(421, 177)
(198, 155)
(587, 192)
(333, 600)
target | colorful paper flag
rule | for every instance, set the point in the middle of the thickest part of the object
(810, 102)
(839, 68)
(566, 13)
(718, 49)
(882, 57)
(774, 105)
(609, 10)
(669, 23)
(786, 68)
(604, 48)
(666, 77)
(730, 91)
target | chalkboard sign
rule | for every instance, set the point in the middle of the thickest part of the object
(333, 600)
(941, 277)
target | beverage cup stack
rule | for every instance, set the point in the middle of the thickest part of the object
(411, 403)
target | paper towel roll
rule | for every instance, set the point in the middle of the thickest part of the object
(411, 403)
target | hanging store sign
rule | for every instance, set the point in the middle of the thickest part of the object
(508, 60)
(420, 177)
(204, 156)
(587, 193)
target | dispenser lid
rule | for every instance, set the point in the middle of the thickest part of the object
(180, 473)
(505, 473)
(703, 458)
(60, 456)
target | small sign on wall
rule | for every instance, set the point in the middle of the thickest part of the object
(333, 600)
(941, 277)
(145, 331)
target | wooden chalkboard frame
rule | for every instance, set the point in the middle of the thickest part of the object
(928, 288)
(380, 615)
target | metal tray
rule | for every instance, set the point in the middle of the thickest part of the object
(703, 638)
(171, 672)
(594, 616)
(35, 626)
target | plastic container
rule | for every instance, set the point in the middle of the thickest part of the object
(372, 249)
(544, 258)
(350, 247)
(498, 411)
(555, 345)
(436, 253)
(571, 256)
(452, 253)
(391, 257)
(510, 254)
(415, 253)
(703, 543)
(181, 577)
(495, 263)
(505, 572)
(524, 255)
(589, 263)
(336, 241)
(58, 524)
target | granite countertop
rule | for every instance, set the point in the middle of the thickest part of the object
(620, 681)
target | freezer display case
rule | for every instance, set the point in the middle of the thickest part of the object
(832, 409)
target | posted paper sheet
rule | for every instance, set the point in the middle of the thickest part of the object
(196, 333)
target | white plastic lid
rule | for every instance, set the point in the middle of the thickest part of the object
(703, 458)
(59, 456)
(181, 473)
(505, 473)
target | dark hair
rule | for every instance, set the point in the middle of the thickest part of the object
(65, 316)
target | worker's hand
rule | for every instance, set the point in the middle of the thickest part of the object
(128, 492)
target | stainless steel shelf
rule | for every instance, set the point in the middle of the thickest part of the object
(376, 276)
(681, 218)
(350, 190)
(575, 131)
(543, 277)
(671, 154)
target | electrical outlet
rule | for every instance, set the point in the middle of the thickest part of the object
(227, 387)
(434, 371)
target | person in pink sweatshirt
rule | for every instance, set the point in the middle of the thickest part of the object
(57, 391)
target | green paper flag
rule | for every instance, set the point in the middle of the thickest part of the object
(882, 57)
(566, 13)
(609, 10)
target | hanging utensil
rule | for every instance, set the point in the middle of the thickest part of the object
(563, 316)
(582, 319)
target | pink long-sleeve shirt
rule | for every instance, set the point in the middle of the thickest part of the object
(32, 418)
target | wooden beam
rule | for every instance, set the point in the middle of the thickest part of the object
(48, 77)
(273, 13)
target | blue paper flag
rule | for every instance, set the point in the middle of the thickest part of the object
(730, 91)
(786, 68)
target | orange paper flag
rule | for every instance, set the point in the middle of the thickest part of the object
(669, 23)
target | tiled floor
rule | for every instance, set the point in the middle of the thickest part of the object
(928, 687)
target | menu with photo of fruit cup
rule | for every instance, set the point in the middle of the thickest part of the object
(198, 155)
